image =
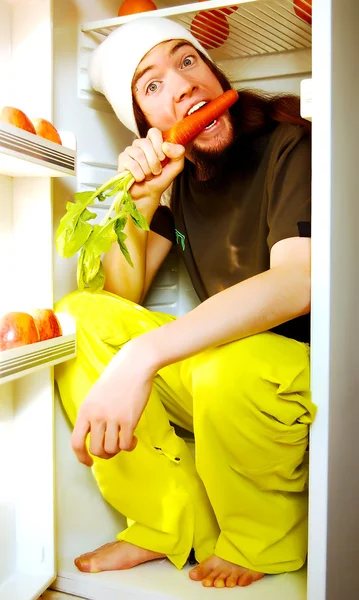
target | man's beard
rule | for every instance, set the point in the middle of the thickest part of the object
(209, 163)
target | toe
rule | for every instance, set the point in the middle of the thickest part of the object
(220, 581)
(209, 580)
(85, 564)
(245, 579)
(231, 581)
(199, 572)
(195, 574)
(249, 577)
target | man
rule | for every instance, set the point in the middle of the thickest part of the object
(235, 370)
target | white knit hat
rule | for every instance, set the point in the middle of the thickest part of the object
(113, 64)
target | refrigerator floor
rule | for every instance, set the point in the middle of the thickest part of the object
(159, 580)
(51, 595)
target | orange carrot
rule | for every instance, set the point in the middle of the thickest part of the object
(184, 131)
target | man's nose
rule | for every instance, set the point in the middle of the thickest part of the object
(183, 87)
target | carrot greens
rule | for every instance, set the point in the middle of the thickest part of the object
(76, 233)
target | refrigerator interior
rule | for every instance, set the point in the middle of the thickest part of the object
(84, 520)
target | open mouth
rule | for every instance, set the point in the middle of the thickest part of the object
(197, 107)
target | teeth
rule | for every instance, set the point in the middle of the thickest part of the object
(196, 107)
(211, 124)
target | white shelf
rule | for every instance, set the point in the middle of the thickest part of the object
(25, 154)
(161, 581)
(27, 359)
(306, 99)
(22, 586)
(257, 27)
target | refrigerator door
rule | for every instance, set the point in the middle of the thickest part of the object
(27, 532)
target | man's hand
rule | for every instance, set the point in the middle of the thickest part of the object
(143, 159)
(113, 407)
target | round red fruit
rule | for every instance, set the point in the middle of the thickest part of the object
(210, 28)
(17, 329)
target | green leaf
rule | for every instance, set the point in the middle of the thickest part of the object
(121, 236)
(99, 241)
(73, 229)
(139, 220)
(120, 200)
(120, 223)
(84, 198)
(81, 284)
(137, 217)
(98, 281)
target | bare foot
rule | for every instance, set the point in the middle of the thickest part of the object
(114, 556)
(219, 573)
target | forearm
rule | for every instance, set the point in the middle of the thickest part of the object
(253, 306)
(122, 279)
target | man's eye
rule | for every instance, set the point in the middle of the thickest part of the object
(152, 87)
(188, 61)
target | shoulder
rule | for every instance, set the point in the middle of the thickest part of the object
(286, 136)
(289, 144)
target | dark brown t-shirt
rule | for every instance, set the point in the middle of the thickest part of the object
(226, 227)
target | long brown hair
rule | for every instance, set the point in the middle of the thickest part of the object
(255, 111)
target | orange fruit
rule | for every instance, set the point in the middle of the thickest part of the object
(46, 130)
(130, 7)
(15, 116)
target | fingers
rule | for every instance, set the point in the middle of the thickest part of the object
(173, 151)
(155, 136)
(128, 441)
(143, 158)
(97, 435)
(78, 442)
(106, 440)
(111, 439)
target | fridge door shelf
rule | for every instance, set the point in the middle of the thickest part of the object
(24, 154)
(306, 99)
(25, 585)
(27, 359)
(237, 29)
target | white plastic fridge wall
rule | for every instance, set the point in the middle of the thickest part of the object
(84, 520)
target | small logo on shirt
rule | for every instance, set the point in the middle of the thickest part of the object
(180, 239)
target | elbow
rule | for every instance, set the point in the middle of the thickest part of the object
(302, 300)
(305, 308)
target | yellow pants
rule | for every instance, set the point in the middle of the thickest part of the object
(248, 403)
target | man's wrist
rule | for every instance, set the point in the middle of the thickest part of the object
(145, 349)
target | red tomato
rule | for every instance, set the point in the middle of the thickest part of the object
(210, 28)
(303, 10)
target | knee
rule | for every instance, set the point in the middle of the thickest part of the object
(101, 315)
(265, 375)
(248, 403)
(225, 375)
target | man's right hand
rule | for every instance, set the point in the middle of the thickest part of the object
(143, 160)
